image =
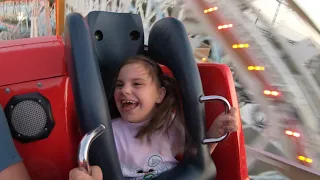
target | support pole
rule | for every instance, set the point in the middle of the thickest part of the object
(60, 14)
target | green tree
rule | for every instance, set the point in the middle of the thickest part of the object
(50, 2)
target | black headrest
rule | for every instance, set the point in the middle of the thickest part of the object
(116, 37)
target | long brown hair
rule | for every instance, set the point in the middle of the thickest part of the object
(169, 110)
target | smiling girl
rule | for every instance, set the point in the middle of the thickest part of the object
(150, 132)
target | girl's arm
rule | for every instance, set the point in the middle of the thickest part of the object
(212, 147)
(222, 124)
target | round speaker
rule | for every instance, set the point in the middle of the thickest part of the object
(29, 117)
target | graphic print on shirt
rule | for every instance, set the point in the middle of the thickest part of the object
(154, 166)
(154, 161)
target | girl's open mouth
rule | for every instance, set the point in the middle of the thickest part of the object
(129, 105)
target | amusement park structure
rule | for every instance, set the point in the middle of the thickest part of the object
(277, 88)
(26, 18)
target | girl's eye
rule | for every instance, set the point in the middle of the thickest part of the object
(119, 85)
(137, 84)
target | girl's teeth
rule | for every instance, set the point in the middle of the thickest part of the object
(131, 102)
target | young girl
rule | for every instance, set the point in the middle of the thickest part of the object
(149, 132)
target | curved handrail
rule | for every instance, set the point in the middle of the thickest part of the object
(85, 143)
(204, 99)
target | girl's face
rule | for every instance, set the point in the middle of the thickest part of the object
(137, 93)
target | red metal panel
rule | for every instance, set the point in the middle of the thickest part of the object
(51, 158)
(31, 59)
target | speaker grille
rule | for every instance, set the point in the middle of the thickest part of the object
(28, 118)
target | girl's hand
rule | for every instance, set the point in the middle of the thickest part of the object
(224, 123)
(78, 174)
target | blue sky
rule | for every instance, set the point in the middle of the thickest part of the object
(288, 23)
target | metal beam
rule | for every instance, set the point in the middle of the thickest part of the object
(290, 169)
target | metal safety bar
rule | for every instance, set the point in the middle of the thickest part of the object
(85, 143)
(204, 99)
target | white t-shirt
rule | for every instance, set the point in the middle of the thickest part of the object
(140, 159)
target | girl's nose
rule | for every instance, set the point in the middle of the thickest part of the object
(126, 89)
